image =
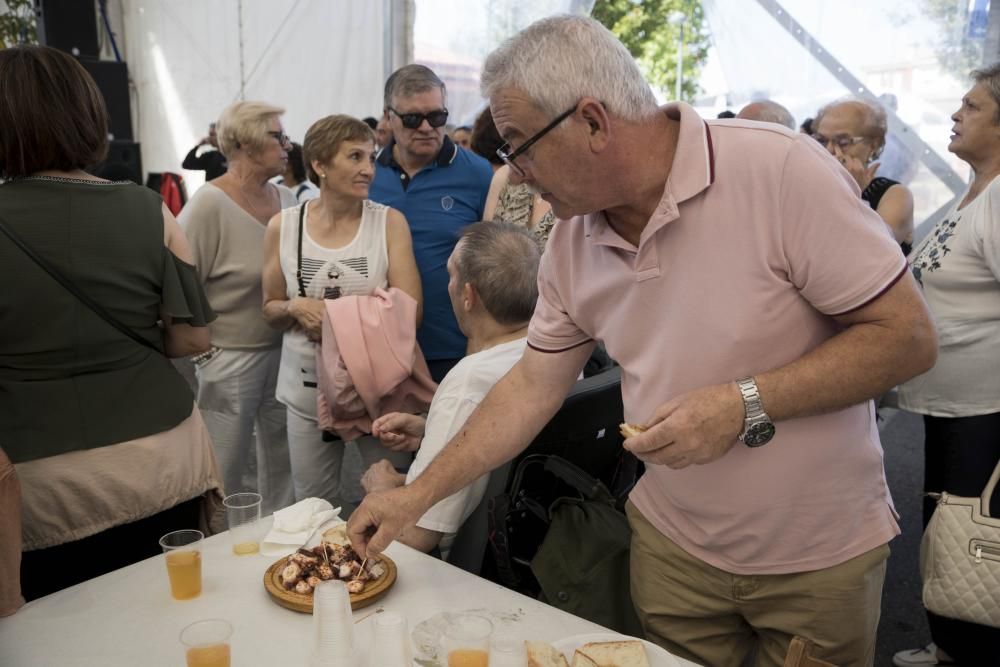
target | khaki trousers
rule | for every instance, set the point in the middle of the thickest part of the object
(716, 619)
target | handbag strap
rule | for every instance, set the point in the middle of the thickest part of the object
(73, 289)
(988, 491)
(298, 261)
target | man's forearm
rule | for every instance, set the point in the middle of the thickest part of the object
(860, 363)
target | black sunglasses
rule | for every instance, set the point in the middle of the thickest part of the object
(412, 121)
(508, 156)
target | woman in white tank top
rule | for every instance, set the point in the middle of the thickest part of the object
(348, 245)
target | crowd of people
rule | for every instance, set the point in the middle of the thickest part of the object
(756, 307)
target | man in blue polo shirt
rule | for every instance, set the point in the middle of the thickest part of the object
(440, 188)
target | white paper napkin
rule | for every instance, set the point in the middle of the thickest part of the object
(295, 525)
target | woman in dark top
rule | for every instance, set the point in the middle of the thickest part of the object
(853, 130)
(102, 431)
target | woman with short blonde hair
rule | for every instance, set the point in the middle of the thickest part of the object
(225, 222)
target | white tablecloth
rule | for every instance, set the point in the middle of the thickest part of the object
(127, 618)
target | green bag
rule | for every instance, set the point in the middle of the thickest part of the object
(582, 564)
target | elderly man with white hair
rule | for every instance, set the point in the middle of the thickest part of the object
(755, 304)
(768, 111)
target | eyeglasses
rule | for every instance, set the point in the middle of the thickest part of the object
(508, 156)
(412, 121)
(841, 141)
(280, 136)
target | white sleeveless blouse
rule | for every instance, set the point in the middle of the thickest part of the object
(357, 268)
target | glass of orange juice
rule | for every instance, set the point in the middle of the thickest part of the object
(466, 641)
(206, 643)
(183, 556)
(243, 515)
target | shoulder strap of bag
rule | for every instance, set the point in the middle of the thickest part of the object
(72, 289)
(298, 261)
(988, 491)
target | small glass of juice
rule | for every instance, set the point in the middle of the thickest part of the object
(466, 641)
(206, 643)
(243, 515)
(183, 556)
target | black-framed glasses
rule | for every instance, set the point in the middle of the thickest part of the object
(282, 138)
(508, 156)
(412, 121)
(841, 141)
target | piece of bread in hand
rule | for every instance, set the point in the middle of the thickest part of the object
(616, 654)
(630, 430)
(543, 654)
(581, 660)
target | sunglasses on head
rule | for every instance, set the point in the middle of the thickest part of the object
(412, 121)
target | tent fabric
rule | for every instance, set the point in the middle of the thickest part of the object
(311, 57)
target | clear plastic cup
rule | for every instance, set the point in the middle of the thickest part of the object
(333, 625)
(507, 651)
(243, 516)
(183, 557)
(391, 640)
(206, 643)
(466, 641)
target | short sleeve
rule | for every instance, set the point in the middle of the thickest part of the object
(991, 229)
(551, 328)
(184, 298)
(839, 253)
(445, 419)
(200, 220)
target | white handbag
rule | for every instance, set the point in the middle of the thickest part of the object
(960, 558)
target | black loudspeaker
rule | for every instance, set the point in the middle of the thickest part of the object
(124, 163)
(68, 25)
(112, 80)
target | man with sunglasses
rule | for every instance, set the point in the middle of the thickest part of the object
(755, 305)
(440, 188)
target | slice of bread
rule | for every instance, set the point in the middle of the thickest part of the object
(542, 654)
(630, 430)
(616, 654)
(581, 660)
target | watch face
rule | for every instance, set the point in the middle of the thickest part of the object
(758, 434)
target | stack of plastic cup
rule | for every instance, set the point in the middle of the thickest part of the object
(333, 625)
(391, 641)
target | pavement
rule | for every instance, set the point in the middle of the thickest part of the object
(903, 624)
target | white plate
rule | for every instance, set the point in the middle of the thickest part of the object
(657, 656)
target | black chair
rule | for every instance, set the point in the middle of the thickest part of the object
(585, 432)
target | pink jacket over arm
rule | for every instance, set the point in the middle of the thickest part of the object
(369, 363)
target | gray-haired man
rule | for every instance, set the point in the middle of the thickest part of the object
(493, 274)
(755, 306)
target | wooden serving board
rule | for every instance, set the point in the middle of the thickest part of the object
(374, 590)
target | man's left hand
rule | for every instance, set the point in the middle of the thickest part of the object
(381, 476)
(696, 427)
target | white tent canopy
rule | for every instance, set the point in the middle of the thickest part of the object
(189, 59)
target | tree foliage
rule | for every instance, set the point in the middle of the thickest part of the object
(644, 27)
(957, 52)
(18, 24)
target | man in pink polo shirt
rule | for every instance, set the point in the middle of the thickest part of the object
(755, 304)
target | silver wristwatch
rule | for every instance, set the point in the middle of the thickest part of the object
(758, 429)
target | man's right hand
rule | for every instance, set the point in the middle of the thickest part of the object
(399, 431)
(380, 519)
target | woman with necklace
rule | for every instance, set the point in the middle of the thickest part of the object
(341, 244)
(107, 445)
(225, 222)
